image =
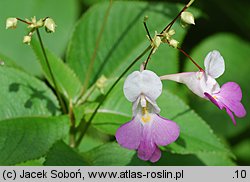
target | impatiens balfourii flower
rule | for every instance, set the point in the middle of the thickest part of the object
(203, 84)
(147, 130)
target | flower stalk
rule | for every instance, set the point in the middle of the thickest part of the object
(51, 73)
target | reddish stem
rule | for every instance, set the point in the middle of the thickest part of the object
(190, 59)
(24, 21)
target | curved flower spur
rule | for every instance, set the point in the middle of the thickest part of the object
(203, 84)
(147, 130)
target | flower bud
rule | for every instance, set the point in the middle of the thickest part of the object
(174, 43)
(50, 25)
(187, 17)
(100, 83)
(171, 32)
(27, 39)
(156, 42)
(11, 23)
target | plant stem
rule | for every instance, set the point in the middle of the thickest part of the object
(85, 97)
(108, 92)
(145, 25)
(72, 133)
(179, 14)
(91, 64)
(149, 56)
(190, 58)
(24, 21)
(51, 73)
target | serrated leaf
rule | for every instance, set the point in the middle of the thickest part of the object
(215, 159)
(35, 162)
(111, 154)
(66, 80)
(62, 155)
(123, 38)
(29, 138)
(24, 95)
(169, 159)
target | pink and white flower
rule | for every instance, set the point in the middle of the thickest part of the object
(203, 84)
(147, 130)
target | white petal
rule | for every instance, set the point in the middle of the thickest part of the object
(132, 88)
(135, 107)
(214, 64)
(151, 85)
(191, 79)
(142, 83)
(210, 85)
(156, 108)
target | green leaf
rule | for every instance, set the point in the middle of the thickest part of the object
(240, 20)
(29, 138)
(111, 154)
(235, 52)
(11, 40)
(62, 155)
(6, 61)
(123, 38)
(196, 137)
(23, 95)
(92, 2)
(66, 80)
(215, 159)
(36, 162)
(169, 159)
(241, 150)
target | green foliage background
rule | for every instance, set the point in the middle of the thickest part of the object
(35, 131)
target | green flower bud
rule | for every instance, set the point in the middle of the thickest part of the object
(187, 17)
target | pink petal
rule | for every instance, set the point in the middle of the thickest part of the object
(164, 131)
(218, 104)
(129, 134)
(230, 95)
(147, 146)
(228, 103)
(230, 114)
(231, 90)
(156, 155)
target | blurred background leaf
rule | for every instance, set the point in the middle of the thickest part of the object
(124, 38)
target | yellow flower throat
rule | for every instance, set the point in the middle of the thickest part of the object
(145, 115)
